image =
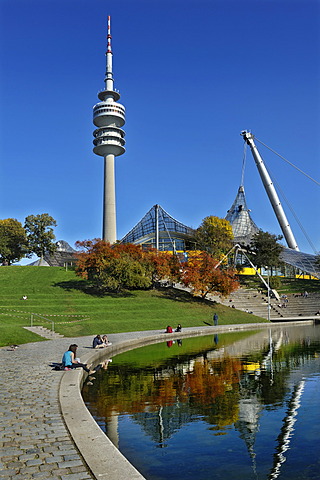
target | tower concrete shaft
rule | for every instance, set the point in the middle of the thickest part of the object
(109, 117)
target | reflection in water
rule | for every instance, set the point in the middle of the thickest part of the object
(287, 430)
(215, 398)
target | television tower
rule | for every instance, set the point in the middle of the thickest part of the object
(108, 117)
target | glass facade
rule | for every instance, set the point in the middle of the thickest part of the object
(158, 226)
(302, 262)
(239, 216)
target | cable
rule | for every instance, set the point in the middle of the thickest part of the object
(297, 220)
(292, 210)
(243, 163)
(297, 168)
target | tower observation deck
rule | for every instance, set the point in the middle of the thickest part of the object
(109, 117)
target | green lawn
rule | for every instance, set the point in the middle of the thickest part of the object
(61, 296)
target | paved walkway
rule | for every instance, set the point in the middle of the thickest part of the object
(35, 442)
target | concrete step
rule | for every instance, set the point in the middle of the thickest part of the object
(44, 332)
(256, 301)
(253, 300)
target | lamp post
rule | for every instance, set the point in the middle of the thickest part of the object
(267, 269)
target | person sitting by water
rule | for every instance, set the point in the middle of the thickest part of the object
(69, 361)
(169, 329)
(98, 342)
(178, 329)
(105, 341)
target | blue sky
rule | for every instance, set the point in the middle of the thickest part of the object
(192, 75)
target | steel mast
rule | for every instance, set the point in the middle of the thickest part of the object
(271, 192)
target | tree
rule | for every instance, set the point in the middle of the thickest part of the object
(265, 250)
(214, 236)
(40, 234)
(123, 273)
(159, 265)
(13, 241)
(122, 266)
(201, 274)
(112, 267)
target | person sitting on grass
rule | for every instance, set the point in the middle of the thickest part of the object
(69, 361)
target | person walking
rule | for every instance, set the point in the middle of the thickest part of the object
(215, 319)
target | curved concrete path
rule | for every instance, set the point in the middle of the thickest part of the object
(46, 430)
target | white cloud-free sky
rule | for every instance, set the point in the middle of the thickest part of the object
(192, 75)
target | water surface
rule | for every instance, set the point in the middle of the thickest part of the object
(235, 406)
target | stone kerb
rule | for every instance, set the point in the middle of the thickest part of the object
(103, 459)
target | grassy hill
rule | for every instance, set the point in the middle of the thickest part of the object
(61, 296)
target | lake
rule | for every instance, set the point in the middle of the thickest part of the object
(232, 406)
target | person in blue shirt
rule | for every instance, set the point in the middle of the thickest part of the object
(69, 361)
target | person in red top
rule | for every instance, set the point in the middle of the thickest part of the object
(169, 329)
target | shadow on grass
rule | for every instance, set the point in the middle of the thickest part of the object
(184, 297)
(89, 289)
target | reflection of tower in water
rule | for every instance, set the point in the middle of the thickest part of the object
(112, 429)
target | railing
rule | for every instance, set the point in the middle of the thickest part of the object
(44, 318)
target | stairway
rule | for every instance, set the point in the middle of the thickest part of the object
(256, 302)
(251, 301)
(44, 332)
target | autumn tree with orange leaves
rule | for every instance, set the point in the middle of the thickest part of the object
(203, 275)
(122, 266)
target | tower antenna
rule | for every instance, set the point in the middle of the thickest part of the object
(109, 74)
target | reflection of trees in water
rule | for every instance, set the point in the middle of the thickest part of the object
(164, 422)
(223, 392)
(175, 398)
(201, 385)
